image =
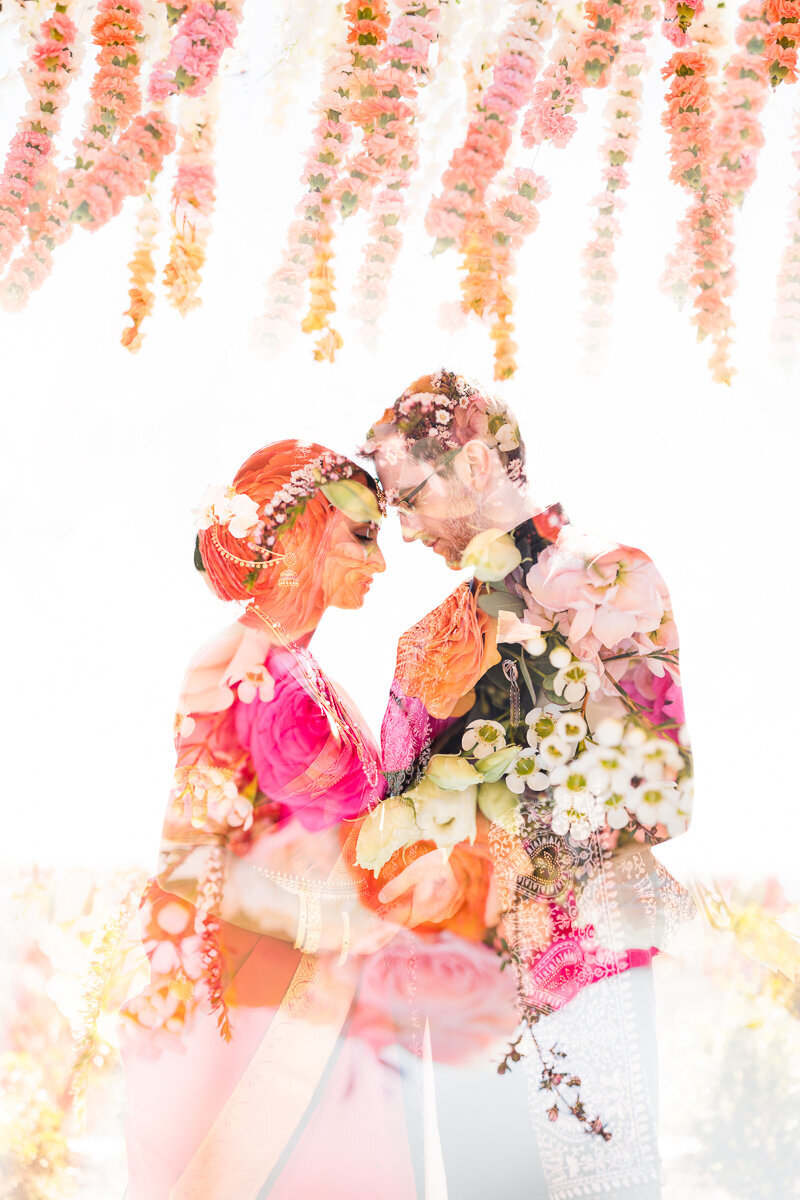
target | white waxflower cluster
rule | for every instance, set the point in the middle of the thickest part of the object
(621, 773)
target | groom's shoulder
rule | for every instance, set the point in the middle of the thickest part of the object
(590, 545)
(446, 611)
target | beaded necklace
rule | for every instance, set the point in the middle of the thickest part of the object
(324, 694)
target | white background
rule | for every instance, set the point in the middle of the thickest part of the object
(105, 453)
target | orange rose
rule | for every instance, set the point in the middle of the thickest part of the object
(471, 864)
(443, 656)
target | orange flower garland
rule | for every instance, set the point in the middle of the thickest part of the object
(143, 272)
(780, 49)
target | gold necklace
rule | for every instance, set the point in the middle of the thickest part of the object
(324, 694)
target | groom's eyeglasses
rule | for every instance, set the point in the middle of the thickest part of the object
(403, 503)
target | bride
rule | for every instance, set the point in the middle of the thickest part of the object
(258, 920)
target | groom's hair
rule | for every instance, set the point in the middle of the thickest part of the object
(438, 413)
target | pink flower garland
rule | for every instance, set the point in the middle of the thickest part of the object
(123, 169)
(406, 63)
(678, 16)
(50, 67)
(115, 100)
(481, 156)
(204, 31)
(577, 60)
(723, 174)
(119, 151)
(738, 136)
(623, 112)
(736, 141)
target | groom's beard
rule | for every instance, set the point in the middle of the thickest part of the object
(454, 536)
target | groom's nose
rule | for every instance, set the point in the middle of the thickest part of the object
(408, 527)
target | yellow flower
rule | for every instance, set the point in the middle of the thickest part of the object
(492, 554)
(451, 772)
(386, 829)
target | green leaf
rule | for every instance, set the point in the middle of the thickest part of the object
(354, 499)
(495, 766)
(495, 602)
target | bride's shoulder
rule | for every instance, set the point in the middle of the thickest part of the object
(222, 661)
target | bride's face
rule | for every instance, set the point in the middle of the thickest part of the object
(352, 558)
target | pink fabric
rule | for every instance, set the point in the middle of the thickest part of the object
(573, 960)
(291, 746)
(406, 729)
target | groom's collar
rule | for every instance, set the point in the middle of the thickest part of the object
(532, 535)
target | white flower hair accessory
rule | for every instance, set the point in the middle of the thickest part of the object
(329, 473)
(226, 506)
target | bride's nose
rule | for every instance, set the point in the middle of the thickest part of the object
(377, 561)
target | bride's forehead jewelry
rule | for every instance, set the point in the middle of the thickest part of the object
(260, 527)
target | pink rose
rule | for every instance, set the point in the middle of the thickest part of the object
(610, 591)
(456, 984)
(298, 761)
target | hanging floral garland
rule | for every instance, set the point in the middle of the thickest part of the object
(780, 49)
(527, 85)
(192, 204)
(482, 155)
(364, 141)
(305, 257)
(115, 97)
(689, 121)
(121, 151)
(721, 176)
(49, 69)
(405, 66)
(142, 273)
(203, 31)
(623, 114)
(786, 326)
(737, 139)
(577, 61)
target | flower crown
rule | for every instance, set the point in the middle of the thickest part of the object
(260, 528)
(440, 413)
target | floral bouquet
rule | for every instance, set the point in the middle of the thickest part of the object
(577, 728)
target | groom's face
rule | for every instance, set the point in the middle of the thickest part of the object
(432, 501)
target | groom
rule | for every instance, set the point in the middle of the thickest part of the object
(548, 687)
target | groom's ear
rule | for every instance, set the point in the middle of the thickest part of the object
(473, 465)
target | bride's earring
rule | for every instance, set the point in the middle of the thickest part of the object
(288, 576)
